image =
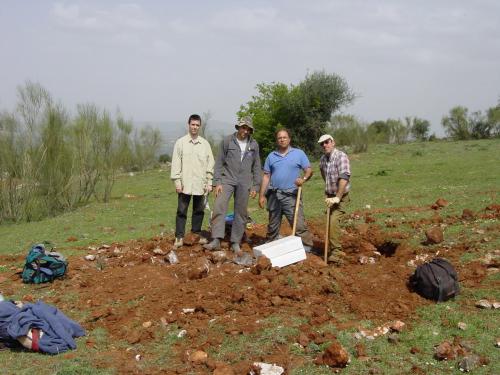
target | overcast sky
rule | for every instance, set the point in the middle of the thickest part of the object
(162, 60)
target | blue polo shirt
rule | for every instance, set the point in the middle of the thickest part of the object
(285, 169)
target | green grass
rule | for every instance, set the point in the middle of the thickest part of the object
(467, 174)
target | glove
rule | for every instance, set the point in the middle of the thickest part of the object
(332, 201)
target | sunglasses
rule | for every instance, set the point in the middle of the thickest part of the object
(325, 142)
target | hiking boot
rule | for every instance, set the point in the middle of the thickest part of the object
(178, 243)
(214, 245)
(235, 247)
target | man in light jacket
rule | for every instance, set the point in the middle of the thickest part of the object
(238, 173)
(192, 172)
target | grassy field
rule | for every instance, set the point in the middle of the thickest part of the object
(467, 174)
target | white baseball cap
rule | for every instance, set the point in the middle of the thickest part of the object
(325, 137)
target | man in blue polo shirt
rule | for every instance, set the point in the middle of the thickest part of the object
(281, 179)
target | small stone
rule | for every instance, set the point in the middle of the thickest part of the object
(268, 369)
(188, 310)
(198, 357)
(397, 326)
(138, 357)
(334, 356)
(462, 326)
(497, 344)
(158, 251)
(495, 305)
(393, 338)
(218, 256)
(483, 304)
(90, 257)
(147, 324)
(181, 333)
(469, 363)
(434, 235)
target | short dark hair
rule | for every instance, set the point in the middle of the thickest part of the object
(194, 117)
(282, 130)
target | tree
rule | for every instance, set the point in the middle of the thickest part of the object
(304, 109)
(349, 131)
(456, 124)
(419, 128)
(493, 115)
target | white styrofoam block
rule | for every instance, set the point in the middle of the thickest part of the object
(287, 259)
(279, 247)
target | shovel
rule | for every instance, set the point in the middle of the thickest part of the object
(286, 250)
(327, 233)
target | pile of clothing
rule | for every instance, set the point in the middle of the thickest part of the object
(38, 327)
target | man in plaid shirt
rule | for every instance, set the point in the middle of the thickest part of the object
(335, 170)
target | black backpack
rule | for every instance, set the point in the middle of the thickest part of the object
(436, 280)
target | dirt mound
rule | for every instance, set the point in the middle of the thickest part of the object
(132, 291)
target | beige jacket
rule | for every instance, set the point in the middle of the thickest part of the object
(192, 165)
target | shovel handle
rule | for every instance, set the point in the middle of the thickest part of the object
(327, 234)
(297, 204)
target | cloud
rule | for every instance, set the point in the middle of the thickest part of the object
(255, 20)
(120, 18)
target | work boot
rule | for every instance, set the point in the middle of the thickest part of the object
(214, 245)
(235, 247)
(178, 243)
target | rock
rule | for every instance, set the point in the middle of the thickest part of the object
(199, 270)
(495, 305)
(303, 339)
(334, 356)
(497, 344)
(182, 333)
(172, 257)
(393, 338)
(90, 257)
(440, 203)
(158, 251)
(218, 256)
(484, 304)
(243, 259)
(138, 357)
(444, 351)
(462, 326)
(469, 363)
(434, 235)
(267, 369)
(147, 324)
(263, 264)
(397, 326)
(198, 357)
(467, 214)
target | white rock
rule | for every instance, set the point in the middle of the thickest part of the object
(181, 333)
(90, 257)
(483, 304)
(189, 310)
(268, 369)
(158, 251)
(138, 357)
(462, 326)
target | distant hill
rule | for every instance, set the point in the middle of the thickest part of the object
(172, 130)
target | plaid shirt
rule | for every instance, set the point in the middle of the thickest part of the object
(333, 167)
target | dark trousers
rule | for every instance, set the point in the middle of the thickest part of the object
(196, 218)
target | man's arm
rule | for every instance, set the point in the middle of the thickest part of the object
(263, 187)
(176, 167)
(256, 172)
(210, 169)
(308, 172)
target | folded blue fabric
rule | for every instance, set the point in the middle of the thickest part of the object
(58, 330)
